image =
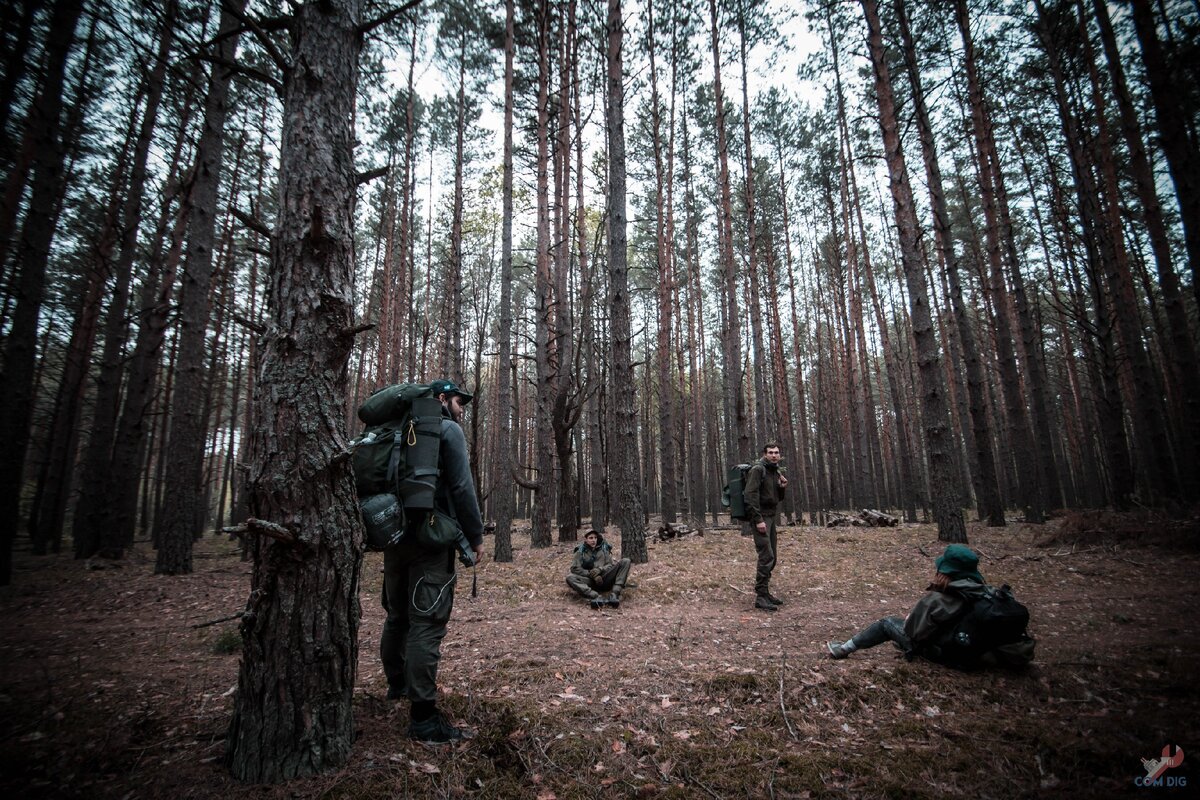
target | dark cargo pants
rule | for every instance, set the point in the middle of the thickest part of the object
(612, 580)
(767, 546)
(418, 595)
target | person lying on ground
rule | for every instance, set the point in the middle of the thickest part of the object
(961, 622)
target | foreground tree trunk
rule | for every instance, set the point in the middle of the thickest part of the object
(293, 715)
(938, 439)
(623, 460)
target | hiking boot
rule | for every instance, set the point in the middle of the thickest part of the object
(435, 730)
(597, 602)
(613, 600)
(773, 599)
(838, 650)
(765, 604)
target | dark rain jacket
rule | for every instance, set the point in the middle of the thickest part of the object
(763, 494)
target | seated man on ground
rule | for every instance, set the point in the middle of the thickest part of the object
(594, 573)
(960, 622)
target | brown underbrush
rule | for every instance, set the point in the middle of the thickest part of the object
(107, 690)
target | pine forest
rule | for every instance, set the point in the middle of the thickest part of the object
(944, 254)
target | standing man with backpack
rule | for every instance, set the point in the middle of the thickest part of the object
(419, 581)
(960, 622)
(763, 494)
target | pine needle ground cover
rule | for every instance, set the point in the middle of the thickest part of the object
(108, 691)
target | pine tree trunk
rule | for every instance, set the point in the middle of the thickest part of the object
(543, 510)
(566, 408)
(15, 60)
(1029, 490)
(1183, 366)
(938, 438)
(737, 433)
(181, 519)
(293, 713)
(701, 424)
(623, 459)
(54, 484)
(452, 352)
(1182, 157)
(93, 526)
(29, 283)
(665, 289)
(1153, 436)
(1110, 407)
(990, 507)
(503, 490)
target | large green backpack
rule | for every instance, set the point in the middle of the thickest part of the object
(732, 496)
(396, 456)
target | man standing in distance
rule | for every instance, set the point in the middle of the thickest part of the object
(418, 583)
(765, 485)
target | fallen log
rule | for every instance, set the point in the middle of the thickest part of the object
(879, 519)
(867, 518)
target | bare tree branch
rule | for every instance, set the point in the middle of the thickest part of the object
(263, 39)
(249, 72)
(252, 222)
(367, 27)
(249, 324)
(370, 175)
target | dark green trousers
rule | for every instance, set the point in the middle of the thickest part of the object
(418, 595)
(767, 546)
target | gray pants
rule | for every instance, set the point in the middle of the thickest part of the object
(884, 630)
(767, 545)
(611, 580)
(418, 594)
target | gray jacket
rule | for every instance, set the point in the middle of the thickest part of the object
(456, 488)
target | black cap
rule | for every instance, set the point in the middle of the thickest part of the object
(444, 386)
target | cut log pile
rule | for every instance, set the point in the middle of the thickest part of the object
(867, 518)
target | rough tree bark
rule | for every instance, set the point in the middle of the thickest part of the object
(503, 489)
(990, 506)
(737, 434)
(566, 409)
(667, 456)
(938, 438)
(543, 509)
(293, 714)
(1028, 487)
(626, 489)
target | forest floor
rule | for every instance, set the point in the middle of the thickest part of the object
(109, 690)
